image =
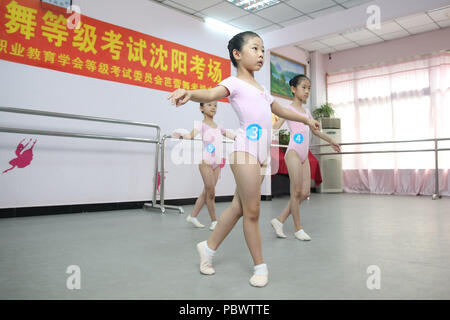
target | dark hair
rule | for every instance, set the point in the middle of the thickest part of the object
(237, 42)
(297, 79)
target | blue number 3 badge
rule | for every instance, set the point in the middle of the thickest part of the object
(210, 148)
(298, 138)
(254, 132)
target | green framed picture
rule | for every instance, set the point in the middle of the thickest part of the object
(282, 70)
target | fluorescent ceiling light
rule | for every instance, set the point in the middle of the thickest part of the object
(221, 26)
(254, 5)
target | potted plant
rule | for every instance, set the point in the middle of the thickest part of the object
(324, 111)
(325, 114)
(283, 139)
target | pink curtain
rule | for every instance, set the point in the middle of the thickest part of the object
(400, 101)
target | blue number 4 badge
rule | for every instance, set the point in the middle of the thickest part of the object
(298, 138)
(210, 148)
(254, 132)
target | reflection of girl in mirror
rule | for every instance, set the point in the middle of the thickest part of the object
(212, 161)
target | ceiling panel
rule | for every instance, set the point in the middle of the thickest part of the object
(346, 46)
(327, 11)
(414, 20)
(197, 5)
(294, 21)
(335, 40)
(387, 27)
(307, 6)
(250, 22)
(444, 23)
(312, 46)
(440, 14)
(365, 42)
(424, 28)
(224, 11)
(395, 35)
(327, 50)
(268, 29)
(358, 35)
(353, 3)
(178, 6)
(279, 12)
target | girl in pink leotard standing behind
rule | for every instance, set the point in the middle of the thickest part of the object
(253, 106)
(212, 160)
(296, 158)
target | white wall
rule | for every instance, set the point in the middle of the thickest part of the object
(72, 171)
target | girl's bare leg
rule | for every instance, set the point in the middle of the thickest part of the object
(300, 182)
(199, 203)
(248, 184)
(209, 179)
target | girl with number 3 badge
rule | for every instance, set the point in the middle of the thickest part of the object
(296, 158)
(253, 106)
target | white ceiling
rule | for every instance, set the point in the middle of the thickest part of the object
(289, 12)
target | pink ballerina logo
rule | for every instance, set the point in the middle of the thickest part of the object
(158, 181)
(23, 158)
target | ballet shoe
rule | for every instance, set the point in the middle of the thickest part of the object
(302, 235)
(278, 227)
(205, 263)
(259, 280)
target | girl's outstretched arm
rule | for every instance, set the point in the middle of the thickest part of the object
(191, 135)
(279, 123)
(336, 147)
(230, 135)
(291, 115)
(181, 96)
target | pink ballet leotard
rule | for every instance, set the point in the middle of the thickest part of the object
(252, 106)
(212, 144)
(299, 141)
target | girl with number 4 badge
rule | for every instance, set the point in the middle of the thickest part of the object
(254, 106)
(296, 158)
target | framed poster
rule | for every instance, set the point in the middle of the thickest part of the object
(282, 70)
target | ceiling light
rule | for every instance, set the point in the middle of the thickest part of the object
(221, 26)
(253, 5)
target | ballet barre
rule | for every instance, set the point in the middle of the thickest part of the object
(436, 150)
(163, 161)
(153, 205)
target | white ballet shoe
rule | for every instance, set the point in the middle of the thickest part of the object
(205, 259)
(194, 221)
(213, 225)
(302, 235)
(278, 227)
(259, 280)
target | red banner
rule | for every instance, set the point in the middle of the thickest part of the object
(46, 36)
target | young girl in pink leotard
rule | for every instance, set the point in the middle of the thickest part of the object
(296, 158)
(253, 106)
(212, 160)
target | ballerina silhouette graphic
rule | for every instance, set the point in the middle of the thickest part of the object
(158, 181)
(23, 158)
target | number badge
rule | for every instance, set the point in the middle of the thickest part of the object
(254, 132)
